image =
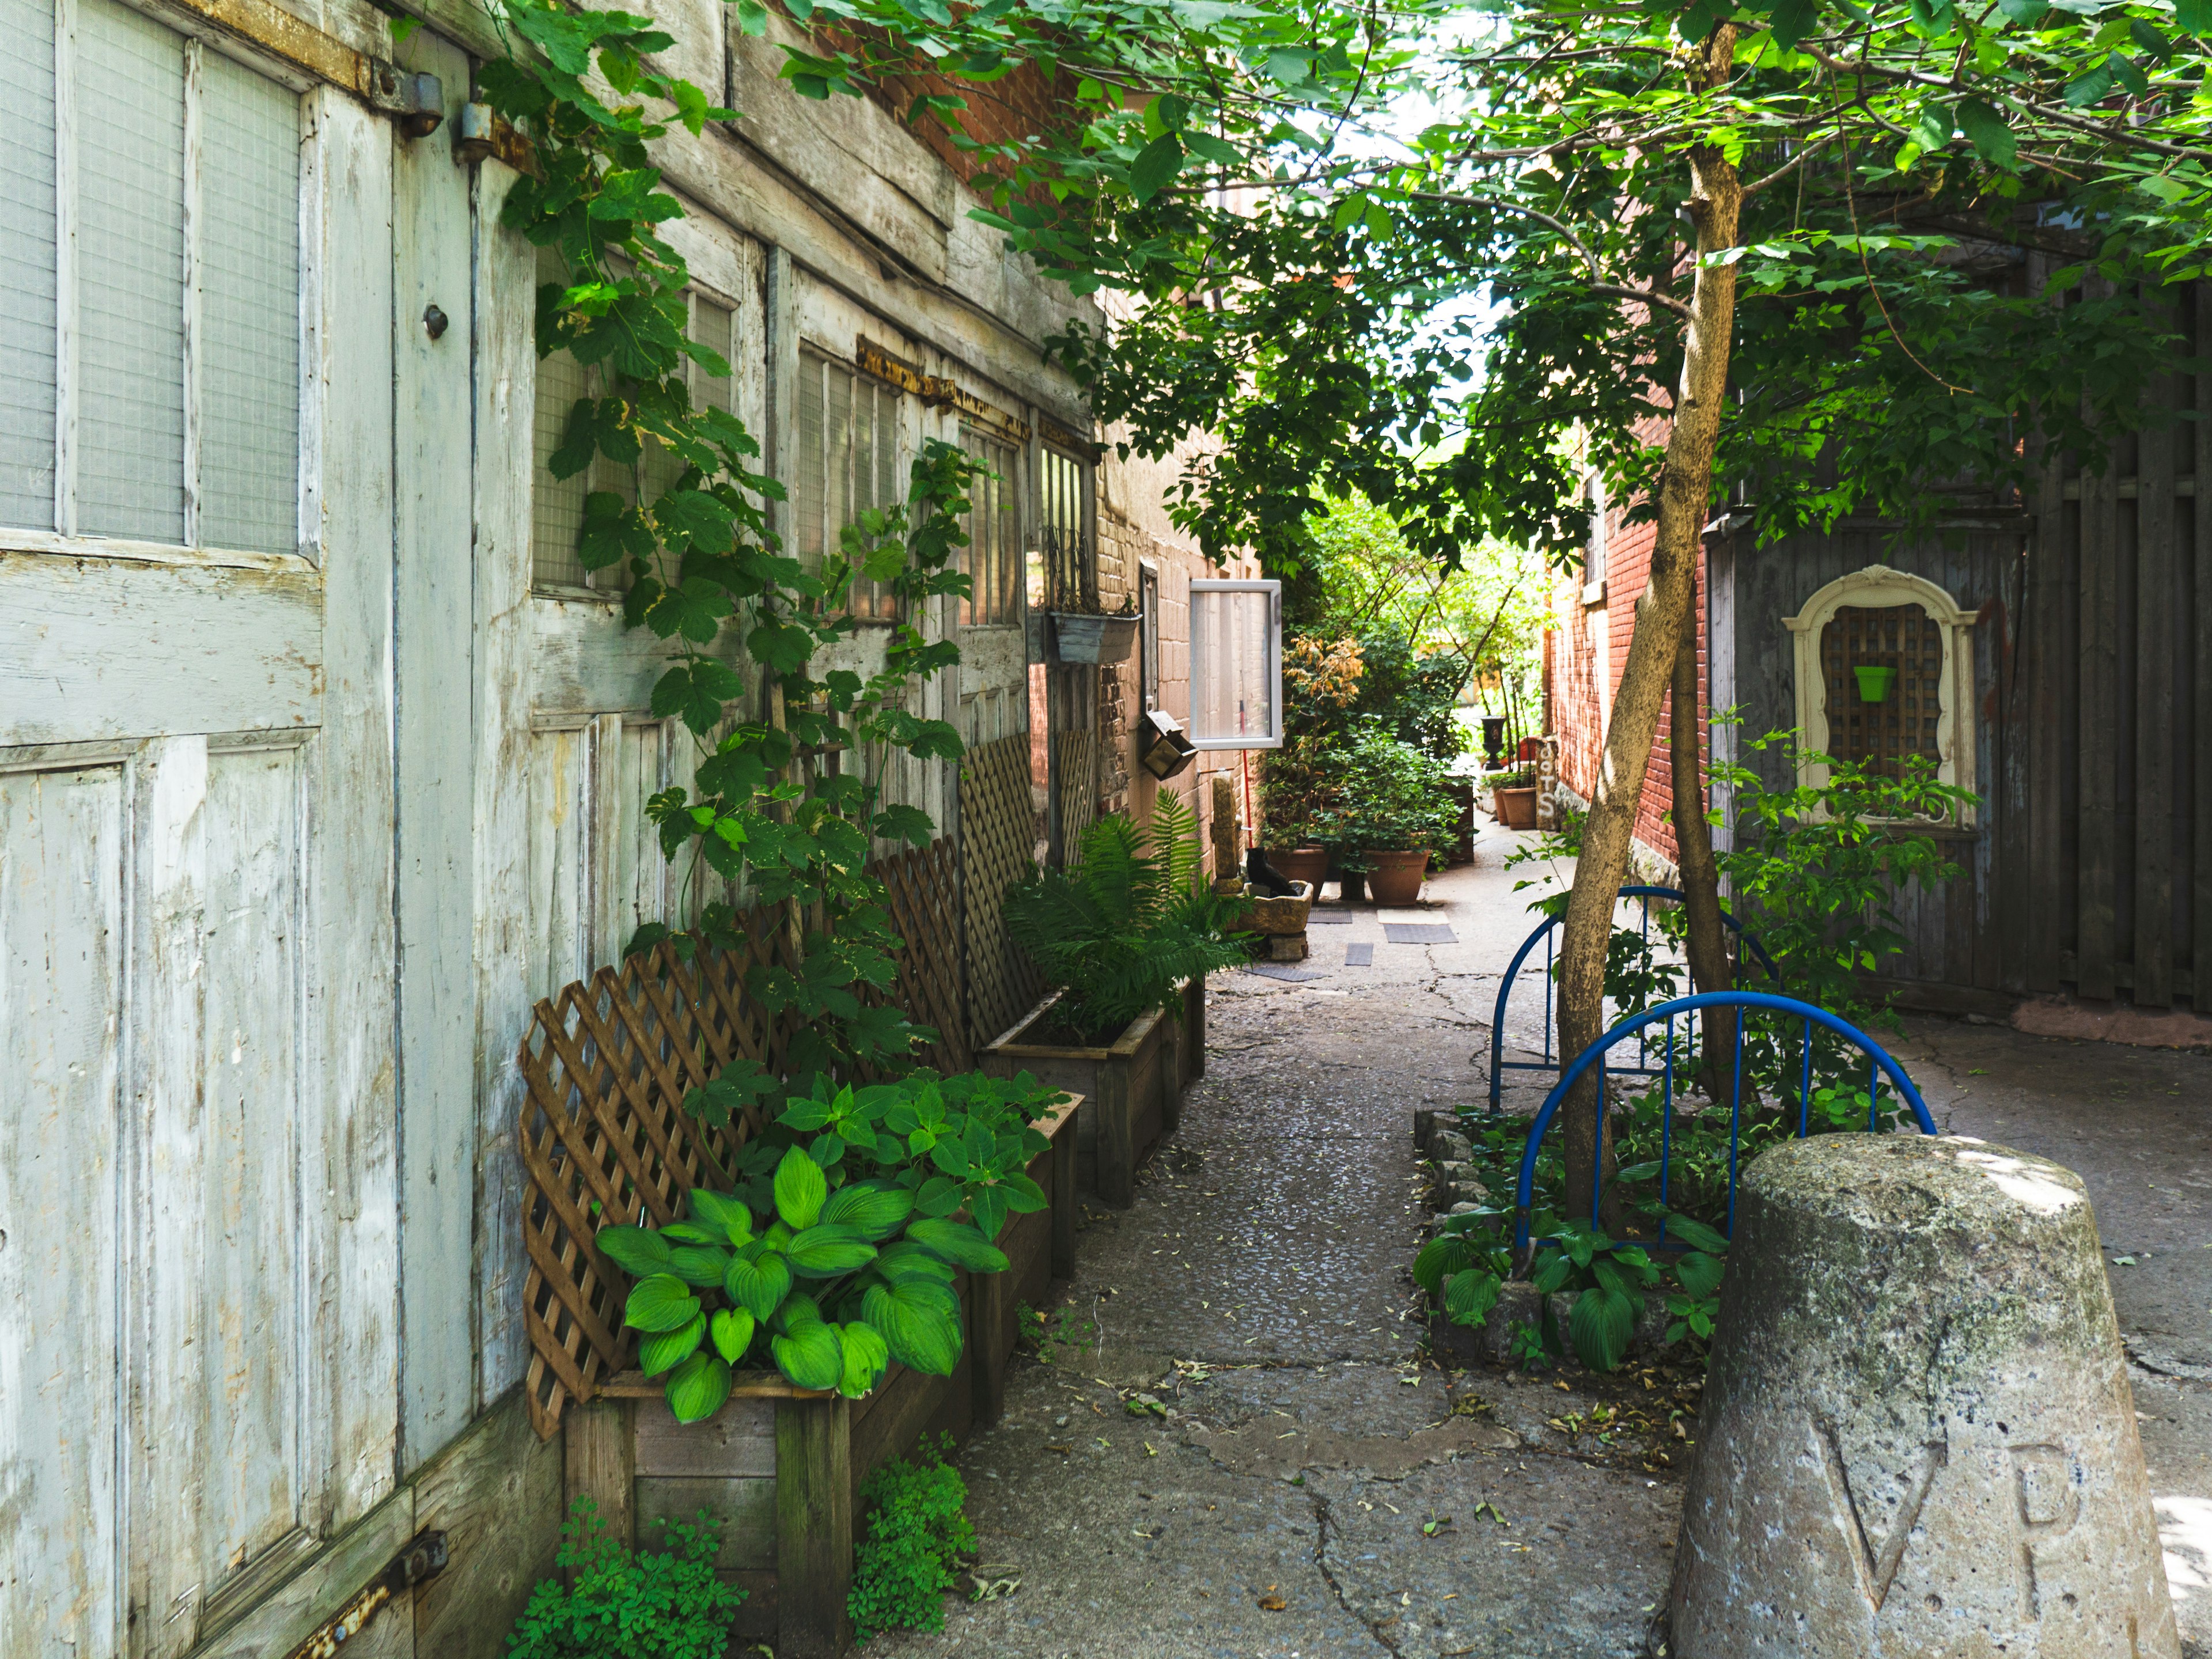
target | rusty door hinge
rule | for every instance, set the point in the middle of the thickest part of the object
(423, 1559)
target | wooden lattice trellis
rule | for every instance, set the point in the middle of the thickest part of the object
(924, 885)
(998, 839)
(605, 1137)
(1075, 763)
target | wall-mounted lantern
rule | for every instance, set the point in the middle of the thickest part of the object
(1237, 664)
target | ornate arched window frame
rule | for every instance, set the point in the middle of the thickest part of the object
(1876, 585)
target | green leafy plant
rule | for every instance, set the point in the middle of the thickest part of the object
(1464, 1267)
(836, 1253)
(1393, 798)
(620, 1606)
(1817, 868)
(1064, 1331)
(743, 619)
(1525, 1343)
(916, 1534)
(1126, 927)
(1302, 779)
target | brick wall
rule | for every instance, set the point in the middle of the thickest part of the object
(1020, 106)
(1133, 530)
(1584, 656)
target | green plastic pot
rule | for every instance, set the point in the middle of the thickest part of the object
(1874, 682)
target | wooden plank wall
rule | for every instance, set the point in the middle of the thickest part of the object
(2090, 868)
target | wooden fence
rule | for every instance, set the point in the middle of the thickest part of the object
(605, 1137)
(2088, 867)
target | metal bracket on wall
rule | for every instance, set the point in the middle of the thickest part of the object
(423, 1559)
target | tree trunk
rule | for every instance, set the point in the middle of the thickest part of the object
(1701, 876)
(1685, 496)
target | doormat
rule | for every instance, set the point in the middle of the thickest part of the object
(1419, 933)
(1359, 956)
(1283, 971)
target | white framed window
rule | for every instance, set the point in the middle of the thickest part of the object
(1066, 573)
(149, 285)
(992, 559)
(1594, 548)
(1148, 649)
(1885, 669)
(847, 427)
(1236, 664)
(556, 504)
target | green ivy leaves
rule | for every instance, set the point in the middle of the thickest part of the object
(703, 569)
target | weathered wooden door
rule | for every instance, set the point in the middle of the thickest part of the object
(197, 1216)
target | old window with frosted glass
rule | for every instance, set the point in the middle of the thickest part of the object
(846, 462)
(1237, 664)
(556, 508)
(1067, 574)
(150, 286)
(992, 558)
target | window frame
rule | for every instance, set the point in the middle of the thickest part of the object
(1596, 546)
(1272, 587)
(1875, 588)
(199, 38)
(1148, 639)
(1011, 483)
(695, 381)
(1084, 560)
(813, 358)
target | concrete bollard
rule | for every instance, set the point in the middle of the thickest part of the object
(1917, 1437)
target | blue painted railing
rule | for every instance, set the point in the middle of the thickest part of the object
(1879, 1064)
(1542, 935)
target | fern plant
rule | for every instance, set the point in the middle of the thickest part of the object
(1123, 929)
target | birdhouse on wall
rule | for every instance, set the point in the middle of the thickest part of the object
(1237, 664)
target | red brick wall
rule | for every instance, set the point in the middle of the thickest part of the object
(1580, 678)
(1022, 106)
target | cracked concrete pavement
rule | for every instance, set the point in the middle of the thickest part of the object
(1250, 1456)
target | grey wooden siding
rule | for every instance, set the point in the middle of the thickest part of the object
(2090, 866)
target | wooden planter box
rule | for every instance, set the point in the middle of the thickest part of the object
(782, 1468)
(1132, 1089)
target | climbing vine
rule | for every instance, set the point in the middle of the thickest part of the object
(770, 808)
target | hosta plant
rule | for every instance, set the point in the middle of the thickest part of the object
(836, 1253)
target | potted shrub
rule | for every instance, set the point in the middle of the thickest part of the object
(835, 1256)
(1513, 798)
(1396, 810)
(779, 1365)
(1117, 937)
(1301, 781)
(1307, 864)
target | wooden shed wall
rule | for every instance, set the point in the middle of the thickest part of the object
(2090, 867)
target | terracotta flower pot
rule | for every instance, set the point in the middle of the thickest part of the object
(1516, 808)
(1396, 878)
(1307, 864)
